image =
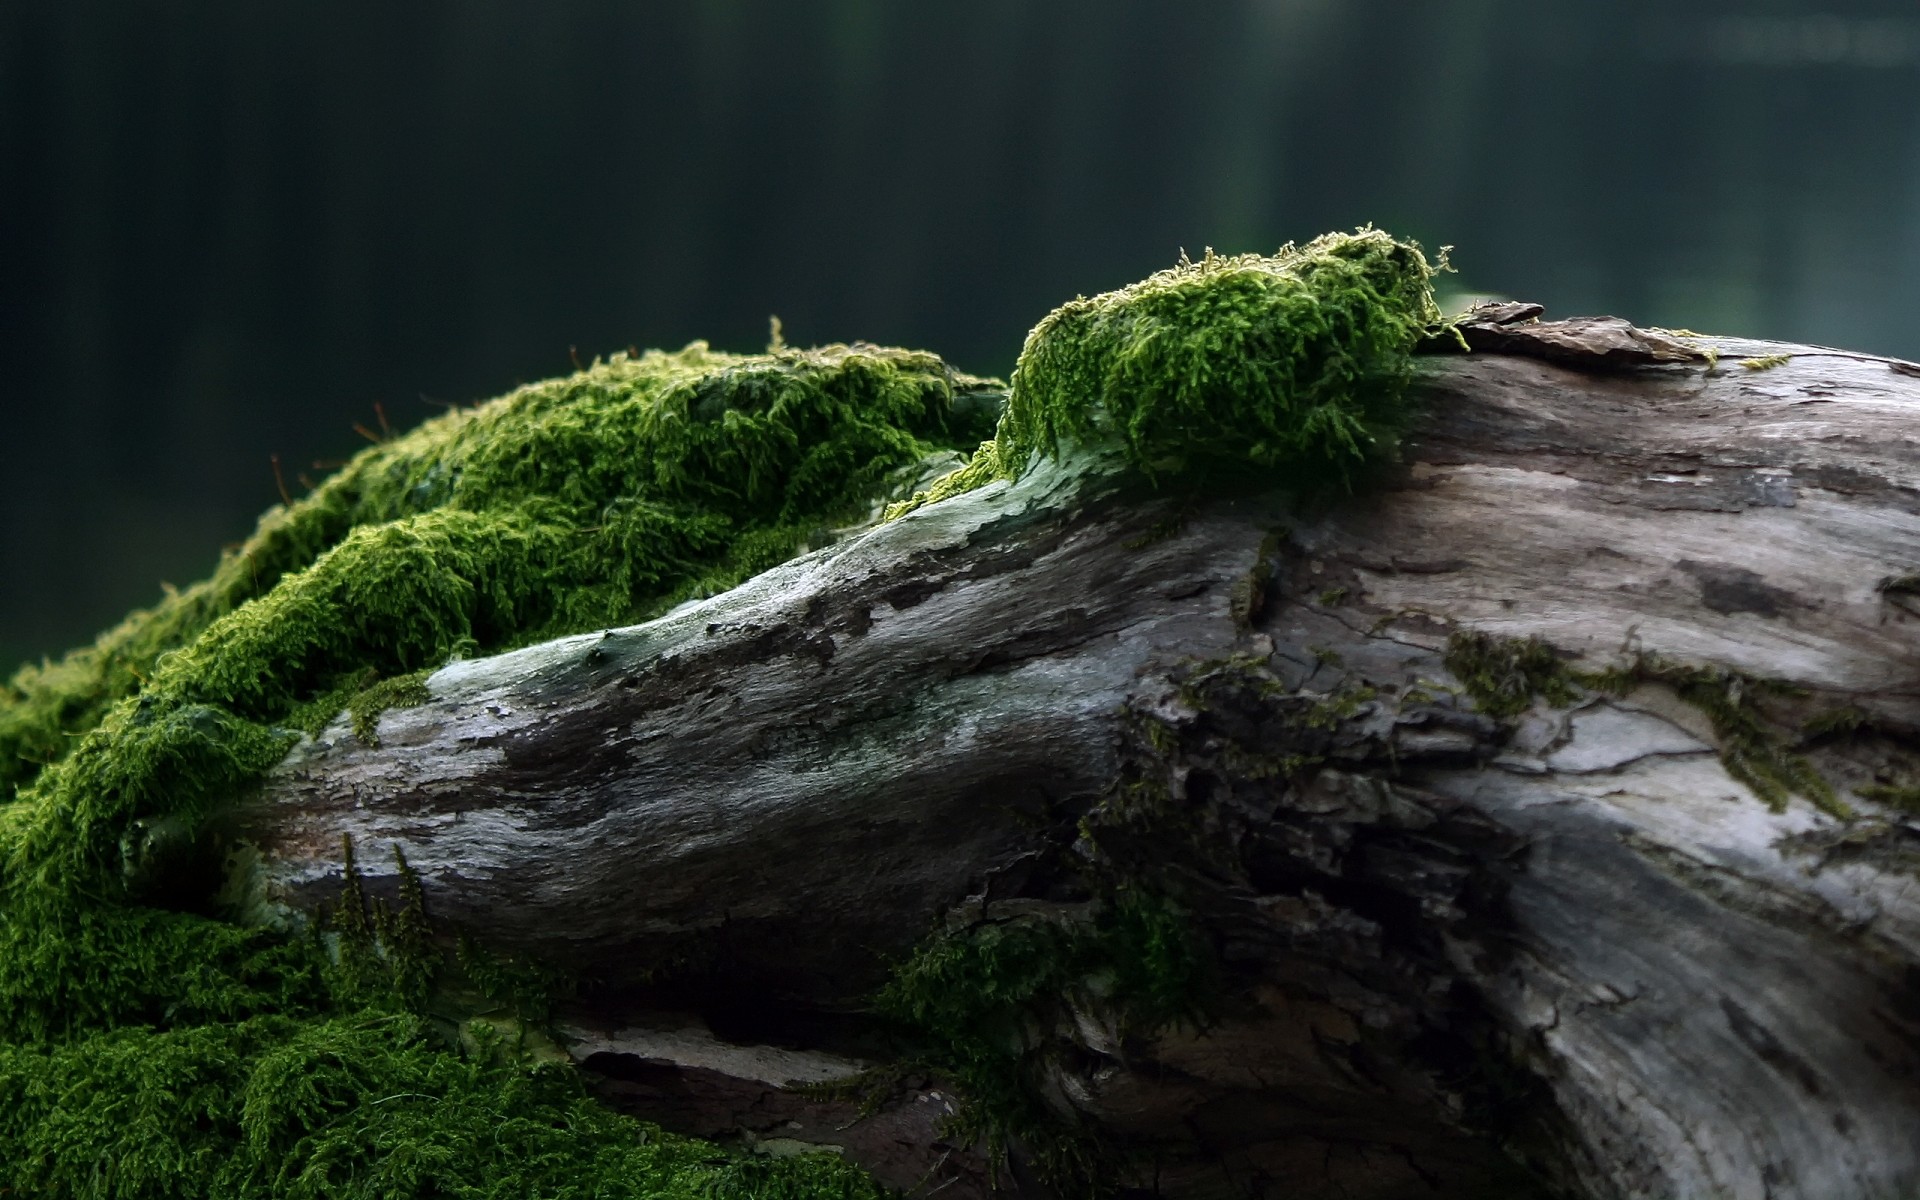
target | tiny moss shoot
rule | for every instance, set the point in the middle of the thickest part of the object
(402, 691)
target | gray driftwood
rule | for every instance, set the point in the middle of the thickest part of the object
(1570, 940)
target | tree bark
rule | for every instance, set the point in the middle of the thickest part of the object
(1570, 939)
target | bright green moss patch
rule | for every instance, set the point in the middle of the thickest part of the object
(988, 1003)
(149, 1049)
(1293, 366)
(402, 691)
(569, 505)
(365, 1105)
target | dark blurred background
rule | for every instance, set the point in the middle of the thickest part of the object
(228, 228)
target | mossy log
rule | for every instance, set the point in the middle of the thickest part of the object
(1547, 811)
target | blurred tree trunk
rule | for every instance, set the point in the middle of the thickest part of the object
(1453, 934)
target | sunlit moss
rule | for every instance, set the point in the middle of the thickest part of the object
(570, 503)
(1292, 365)
(146, 1051)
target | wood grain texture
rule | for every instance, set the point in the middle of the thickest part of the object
(1571, 939)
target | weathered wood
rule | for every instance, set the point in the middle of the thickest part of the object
(1572, 937)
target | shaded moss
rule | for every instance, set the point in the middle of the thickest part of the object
(402, 691)
(1845, 719)
(1504, 675)
(1904, 797)
(987, 1004)
(360, 1105)
(1293, 364)
(1751, 748)
(1342, 705)
(528, 989)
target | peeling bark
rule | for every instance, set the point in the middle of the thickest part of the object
(1570, 942)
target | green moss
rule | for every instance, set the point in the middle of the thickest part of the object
(1342, 705)
(1504, 675)
(1904, 797)
(525, 988)
(987, 1005)
(1845, 719)
(1292, 365)
(367, 1105)
(1751, 748)
(567, 506)
(147, 1049)
(1247, 600)
(1766, 362)
(983, 468)
(402, 691)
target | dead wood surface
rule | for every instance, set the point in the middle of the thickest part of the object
(1571, 939)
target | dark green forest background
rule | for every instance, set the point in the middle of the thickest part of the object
(228, 228)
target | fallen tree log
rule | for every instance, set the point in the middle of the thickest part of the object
(1626, 909)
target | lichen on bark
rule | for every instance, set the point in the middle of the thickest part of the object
(1292, 366)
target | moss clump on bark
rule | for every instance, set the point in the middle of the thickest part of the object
(1293, 365)
(568, 505)
(150, 1051)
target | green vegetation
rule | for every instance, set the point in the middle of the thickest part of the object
(150, 1048)
(370, 1104)
(1905, 797)
(1292, 365)
(1505, 675)
(568, 505)
(1751, 748)
(988, 1003)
